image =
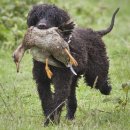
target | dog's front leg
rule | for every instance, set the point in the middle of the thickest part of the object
(43, 86)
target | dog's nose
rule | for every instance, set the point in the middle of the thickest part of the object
(42, 26)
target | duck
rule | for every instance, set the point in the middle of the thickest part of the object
(45, 44)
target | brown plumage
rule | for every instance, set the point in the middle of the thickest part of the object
(49, 43)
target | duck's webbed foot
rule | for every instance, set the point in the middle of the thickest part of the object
(48, 71)
(72, 60)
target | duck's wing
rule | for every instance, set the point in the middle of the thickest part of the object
(67, 28)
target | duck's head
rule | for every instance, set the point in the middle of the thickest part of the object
(18, 54)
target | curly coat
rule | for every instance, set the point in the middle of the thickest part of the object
(86, 47)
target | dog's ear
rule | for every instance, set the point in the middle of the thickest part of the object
(67, 28)
(32, 17)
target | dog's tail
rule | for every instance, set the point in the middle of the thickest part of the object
(104, 32)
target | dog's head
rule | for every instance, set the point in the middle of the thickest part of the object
(45, 16)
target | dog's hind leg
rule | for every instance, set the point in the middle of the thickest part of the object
(106, 88)
(98, 81)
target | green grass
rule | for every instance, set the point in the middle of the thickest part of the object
(20, 107)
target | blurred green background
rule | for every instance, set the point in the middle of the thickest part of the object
(19, 102)
(86, 13)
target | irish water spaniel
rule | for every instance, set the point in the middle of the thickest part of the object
(86, 47)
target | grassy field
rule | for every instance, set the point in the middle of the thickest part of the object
(20, 107)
